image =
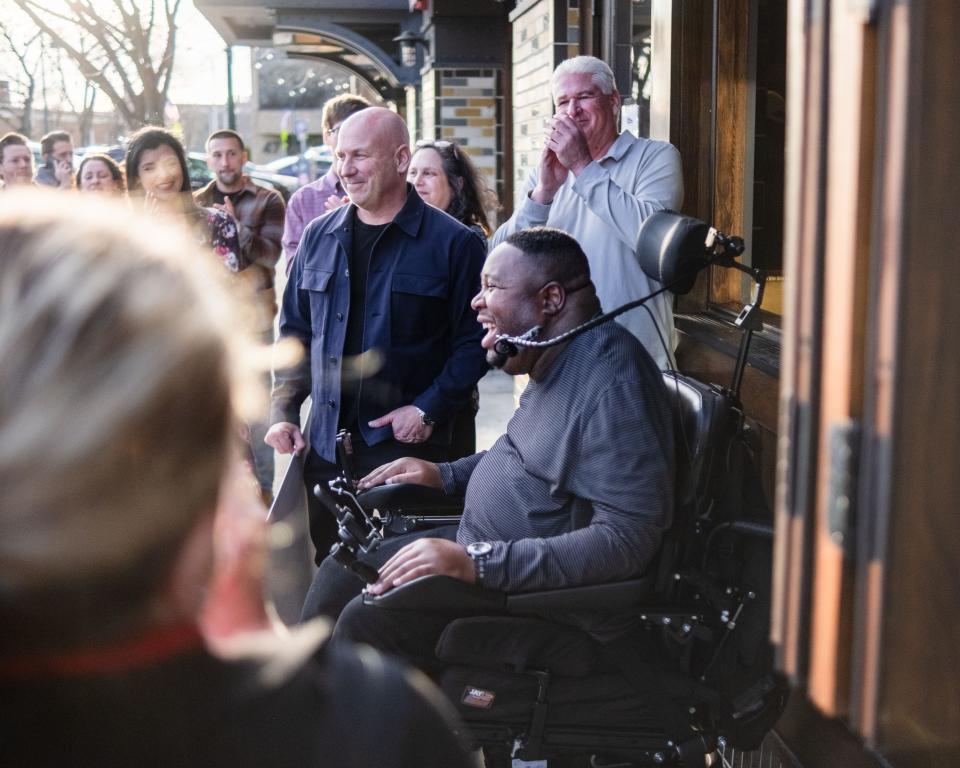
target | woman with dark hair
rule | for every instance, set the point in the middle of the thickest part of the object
(157, 171)
(445, 177)
(100, 173)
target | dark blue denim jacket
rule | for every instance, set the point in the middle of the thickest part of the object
(425, 338)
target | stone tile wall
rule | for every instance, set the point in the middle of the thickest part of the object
(545, 32)
(466, 106)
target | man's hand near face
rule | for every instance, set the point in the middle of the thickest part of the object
(552, 174)
(425, 557)
(63, 173)
(335, 201)
(568, 143)
(565, 150)
(227, 206)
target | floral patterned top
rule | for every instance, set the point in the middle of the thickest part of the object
(217, 230)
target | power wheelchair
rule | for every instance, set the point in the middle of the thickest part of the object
(695, 671)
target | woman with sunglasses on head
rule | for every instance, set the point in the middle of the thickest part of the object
(157, 172)
(445, 177)
(99, 172)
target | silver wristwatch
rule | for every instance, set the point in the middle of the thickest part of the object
(479, 551)
(425, 420)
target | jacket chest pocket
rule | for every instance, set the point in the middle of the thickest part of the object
(418, 305)
(319, 286)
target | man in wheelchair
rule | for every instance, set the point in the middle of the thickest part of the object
(569, 612)
(578, 489)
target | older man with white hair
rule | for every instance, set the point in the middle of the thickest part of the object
(599, 185)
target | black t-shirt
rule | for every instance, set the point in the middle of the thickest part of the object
(219, 197)
(365, 236)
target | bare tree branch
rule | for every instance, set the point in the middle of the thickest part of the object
(28, 86)
(125, 48)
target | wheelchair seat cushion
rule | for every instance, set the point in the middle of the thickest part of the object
(518, 644)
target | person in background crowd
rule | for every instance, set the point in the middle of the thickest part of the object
(379, 299)
(599, 185)
(16, 160)
(326, 193)
(100, 173)
(123, 378)
(259, 216)
(56, 151)
(445, 177)
(157, 172)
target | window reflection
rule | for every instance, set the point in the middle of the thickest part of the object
(636, 109)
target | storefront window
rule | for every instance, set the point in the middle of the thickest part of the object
(636, 108)
(768, 148)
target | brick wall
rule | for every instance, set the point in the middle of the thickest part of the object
(545, 32)
(466, 106)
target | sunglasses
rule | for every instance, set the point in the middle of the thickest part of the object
(439, 144)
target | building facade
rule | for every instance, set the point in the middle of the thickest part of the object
(823, 132)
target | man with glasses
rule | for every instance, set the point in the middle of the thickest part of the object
(326, 193)
(56, 150)
(599, 185)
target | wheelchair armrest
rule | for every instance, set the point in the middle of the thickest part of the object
(440, 594)
(409, 497)
(595, 598)
(443, 594)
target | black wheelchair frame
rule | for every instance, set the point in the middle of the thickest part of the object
(697, 671)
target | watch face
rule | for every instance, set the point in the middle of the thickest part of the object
(479, 548)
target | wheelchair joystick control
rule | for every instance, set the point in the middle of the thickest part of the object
(349, 560)
(355, 529)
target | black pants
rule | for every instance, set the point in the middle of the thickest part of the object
(334, 586)
(366, 458)
(463, 441)
(410, 635)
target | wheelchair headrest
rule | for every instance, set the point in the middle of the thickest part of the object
(672, 249)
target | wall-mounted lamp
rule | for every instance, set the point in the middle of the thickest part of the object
(408, 47)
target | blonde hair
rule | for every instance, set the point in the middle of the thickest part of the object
(339, 108)
(117, 400)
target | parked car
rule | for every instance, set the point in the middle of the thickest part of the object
(115, 151)
(319, 158)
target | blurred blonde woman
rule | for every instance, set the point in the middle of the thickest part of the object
(121, 387)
